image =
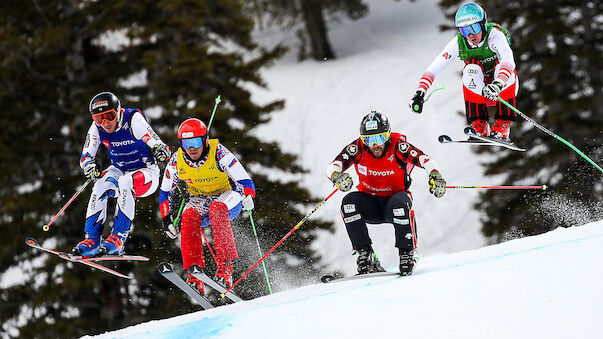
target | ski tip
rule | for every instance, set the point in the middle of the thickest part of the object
(444, 139)
(469, 131)
(31, 241)
(165, 267)
(327, 278)
(195, 269)
(222, 295)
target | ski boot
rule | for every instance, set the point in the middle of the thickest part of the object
(114, 244)
(224, 273)
(501, 129)
(407, 262)
(196, 284)
(87, 247)
(482, 127)
(367, 261)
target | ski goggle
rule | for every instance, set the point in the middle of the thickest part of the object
(470, 29)
(192, 142)
(378, 139)
(109, 116)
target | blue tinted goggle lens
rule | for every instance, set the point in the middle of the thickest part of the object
(192, 142)
(471, 29)
(378, 139)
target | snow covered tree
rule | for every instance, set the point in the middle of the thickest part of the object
(557, 49)
(314, 14)
(171, 59)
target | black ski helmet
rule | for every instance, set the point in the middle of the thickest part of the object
(374, 123)
(106, 101)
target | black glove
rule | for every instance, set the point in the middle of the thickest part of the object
(92, 170)
(161, 152)
(179, 194)
(437, 184)
(343, 181)
(416, 104)
(168, 227)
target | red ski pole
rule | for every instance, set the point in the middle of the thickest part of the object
(280, 241)
(541, 187)
(77, 192)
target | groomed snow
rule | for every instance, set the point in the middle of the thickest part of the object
(546, 286)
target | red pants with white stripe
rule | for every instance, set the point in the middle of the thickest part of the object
(476, 104)
(192, 238)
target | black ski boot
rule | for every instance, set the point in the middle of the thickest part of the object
(367, 261)
(407, 262)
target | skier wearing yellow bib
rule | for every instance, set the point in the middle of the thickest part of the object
(215, 187)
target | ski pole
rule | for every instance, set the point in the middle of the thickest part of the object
(541, 187)
(177, 220)
(218, 100)
(77, 192)
(260, 250)
(280, 241)
(551, 134)
(430, 93)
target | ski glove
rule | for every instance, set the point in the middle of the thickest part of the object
(491, 91)
(437, 184)
(168, 227)
(247, 202)
(161, 152)
(416, 104)
(179, 194)
(92, 170)
(343, 181)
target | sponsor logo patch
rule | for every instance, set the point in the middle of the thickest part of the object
(381, 173)
(408, 236)
(371, 125)
(100, 104)
(399, 212)
(349, 208)
(352, 218)
(362, 169)
(401, 221)
(187, 135)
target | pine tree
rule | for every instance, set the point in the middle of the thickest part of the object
(314, 15)
(557, 49)
(171, 59)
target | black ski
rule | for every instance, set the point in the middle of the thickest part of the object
(327, 278)
(167, 271)
(197, 272)
(89, 261)
(470, 132)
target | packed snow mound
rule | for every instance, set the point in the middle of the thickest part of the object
(546, 286)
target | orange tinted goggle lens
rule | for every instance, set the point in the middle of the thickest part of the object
(109, 115)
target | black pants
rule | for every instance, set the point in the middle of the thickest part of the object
(360, 208)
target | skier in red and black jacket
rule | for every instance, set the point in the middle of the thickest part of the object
(383, 161)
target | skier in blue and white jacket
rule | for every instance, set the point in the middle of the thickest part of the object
(134, 149)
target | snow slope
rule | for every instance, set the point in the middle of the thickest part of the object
(546, 286)
(380, 60)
